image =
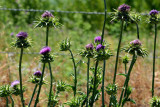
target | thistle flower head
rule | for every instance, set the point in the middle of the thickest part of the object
(12, 34)
(155, 102)
(136, 42)
(45, 50)
(15, 83)
(99, 47)
(153, 12)
(89, 46)
(97, 39)
(111, 89)
(65, 45)
(47, 14)
(5, 91)
(38, 73)
(124, 8)
(22, 35)
(125, 59)
(135, 48)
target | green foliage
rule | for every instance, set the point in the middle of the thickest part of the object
(111, 89)
(16, 90)
(21, 43)
(155, 102)
(48, 22)
(65, 45)
(136, 49)
(113, 101)
(46, 58)
(125, 59)
(5, 91)
(75, 102)
(126, 98)
(61, 86)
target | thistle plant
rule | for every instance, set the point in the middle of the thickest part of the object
(65, 46)
(135, 49)
(125, 16)
(21, 42)
(121, 14)
(95, 81)
(88, 52)
(154, 19)
(15, 90)
(125, 60)
(111, 90)
(60, 87)
(47, 20)
(5, 92)
(92, 83)
(35, 80)
(99, 52)
(45, 58)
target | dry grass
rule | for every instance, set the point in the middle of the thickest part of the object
(140, 80)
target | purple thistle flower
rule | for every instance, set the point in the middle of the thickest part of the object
(38, 73)
(153, 12)
(89, 46)
(15, 83)
(97, 39)
(99, 47)
(22, 35)
(124, 8)
(47, 14)
(136, 42)
(12, 34)
(45, 50)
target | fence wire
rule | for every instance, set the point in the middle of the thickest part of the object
(59, 11)
(58, 54)
(32, 53)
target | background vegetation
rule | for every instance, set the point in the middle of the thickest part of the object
(82, 29)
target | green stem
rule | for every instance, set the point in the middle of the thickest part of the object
(20, 77)
(51, 77)
(154, 55)
(110, 101)
(75, 73)
(95, 80)
(12, 100)
(7, 102)
(104, 67)
(137, 30)
(32, 95)
(88, 64)
(40, 85)
(125, 68)
(105, 16)
(125, 86)
(47, 32)
(104, 61)
(119, 45)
